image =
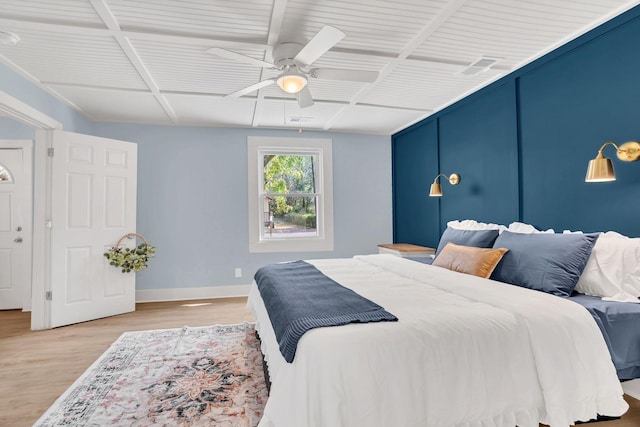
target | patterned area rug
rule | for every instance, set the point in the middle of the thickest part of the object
(210, 376)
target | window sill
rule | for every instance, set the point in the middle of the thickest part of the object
(291, 245)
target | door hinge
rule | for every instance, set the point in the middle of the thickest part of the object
(48, 295)
(50, 152)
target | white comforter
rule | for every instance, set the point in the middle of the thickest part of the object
(465, 352)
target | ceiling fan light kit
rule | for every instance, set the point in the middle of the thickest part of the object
(292, 81)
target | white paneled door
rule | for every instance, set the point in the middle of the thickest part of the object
(93, 203)
(14, 224)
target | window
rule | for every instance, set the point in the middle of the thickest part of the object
(5, 175)
(290, 194)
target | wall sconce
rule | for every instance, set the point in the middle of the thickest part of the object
(436, 190)
(601, 168)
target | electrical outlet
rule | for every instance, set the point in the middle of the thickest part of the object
(238, 272)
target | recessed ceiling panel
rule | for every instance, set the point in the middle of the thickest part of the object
(212, 111)
(59, 11)
(288, 114)
(424, 87)
(371, 25)
(116, 106)
(376, 120)
(189, 68)
(512, 31)
(228, 19)
(89, 60)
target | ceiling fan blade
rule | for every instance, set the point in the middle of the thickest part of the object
(304, 98)
(363, 76)
(239, 57)
(326, 38)
(249, 89)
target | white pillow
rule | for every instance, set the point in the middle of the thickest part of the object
(520, 227)
(470, 224)
(613, 269)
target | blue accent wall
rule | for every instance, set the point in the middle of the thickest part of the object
(522, 144)
(569, 107)
(415, 164)
(478, 141)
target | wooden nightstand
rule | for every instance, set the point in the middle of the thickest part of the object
(405, 250)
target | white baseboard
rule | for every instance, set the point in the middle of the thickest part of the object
(632, 388)
(180, 294)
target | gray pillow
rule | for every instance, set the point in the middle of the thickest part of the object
(545, 262)
(475, 238)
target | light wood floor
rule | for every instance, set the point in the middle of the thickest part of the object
(38, 366)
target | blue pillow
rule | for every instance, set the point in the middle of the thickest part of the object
(545, 262)
(475, 238)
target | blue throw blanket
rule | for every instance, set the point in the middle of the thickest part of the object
(298, 297)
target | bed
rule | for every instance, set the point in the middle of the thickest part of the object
(491, 334)
(619, 323)
(465, 351)
(608, 287)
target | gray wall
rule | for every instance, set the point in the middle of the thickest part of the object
(192, 200)
(192, 192)
(11, 129)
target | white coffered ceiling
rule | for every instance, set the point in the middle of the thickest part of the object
(146, 61)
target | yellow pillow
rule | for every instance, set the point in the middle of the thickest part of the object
(469, 260)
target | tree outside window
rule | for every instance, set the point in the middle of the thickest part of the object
(290, 194)
(290, 198)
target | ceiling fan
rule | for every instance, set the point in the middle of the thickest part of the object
(293, 61)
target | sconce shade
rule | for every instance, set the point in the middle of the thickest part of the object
(600, 170)
(435, 190)
(292, 81)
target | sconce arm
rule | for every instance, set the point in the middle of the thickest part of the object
(604, 145)
(454, 178)
(435, 180)
(628, 152)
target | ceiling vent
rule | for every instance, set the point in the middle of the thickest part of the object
(300, 119)
(479, 66)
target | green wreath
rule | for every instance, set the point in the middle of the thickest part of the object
(130, 259)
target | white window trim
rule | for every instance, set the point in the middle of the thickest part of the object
(324, 241)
